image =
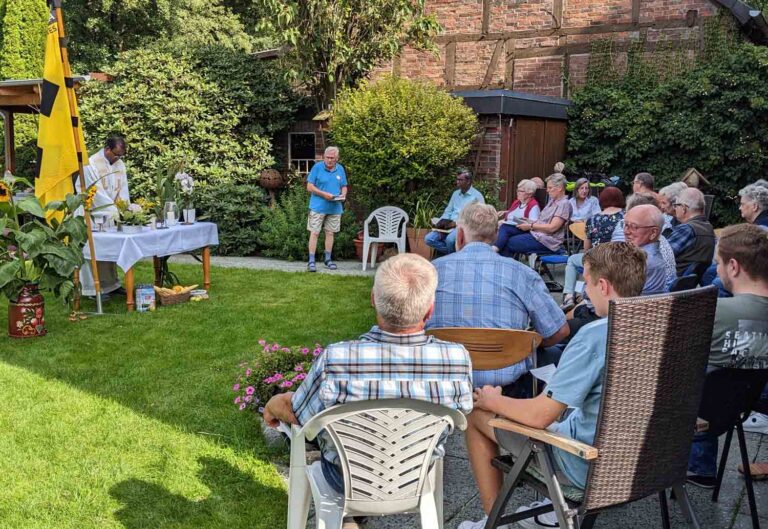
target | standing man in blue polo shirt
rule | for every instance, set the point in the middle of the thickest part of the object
(327, 185)
(445, 243)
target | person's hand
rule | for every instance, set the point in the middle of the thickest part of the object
(487, 397)
(328, 196)
(524, 227)
(279, 409)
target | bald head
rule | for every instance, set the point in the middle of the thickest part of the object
(643, 224)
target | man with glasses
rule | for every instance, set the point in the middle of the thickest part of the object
(643, 183)
(642, 228)
(327, 185)
(693, 240)
(445, 243)
(106, 173)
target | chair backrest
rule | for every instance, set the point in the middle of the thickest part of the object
(708, 201)
(491, 348)
(390, 221)
(656, 357)
(579, 229)
(684, 283)
(728, 394)
(385, 449)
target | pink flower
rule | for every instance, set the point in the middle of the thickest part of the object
(262, 342)
(249, 390)
(298, 367)
(275, 347)
(300, 376)
(304, 350)
(316, 352)
(236, 387)
(242, 406)
(286, 349)
(286, 384)
(247, 399)
(278, 376)
(248, 372)
(237, 400)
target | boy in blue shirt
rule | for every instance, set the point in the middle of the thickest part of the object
(611, 271)
(327, 185)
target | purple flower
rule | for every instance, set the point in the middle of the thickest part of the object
(247, 399)
(261, 409)
(236, 387)
(242, 406)
(250, 390)
(304, 350)
(286, 384)
(316, 352)
(237, 400)
(300, 376)
(275, 347)
(298, 367)
(278, 376)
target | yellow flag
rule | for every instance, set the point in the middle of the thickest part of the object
(56, 153)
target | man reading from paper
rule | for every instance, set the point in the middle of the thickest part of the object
(105, 171)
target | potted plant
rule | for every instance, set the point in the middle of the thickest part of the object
(421, 223)
(133, 217)
(37, 255)
(186, 186)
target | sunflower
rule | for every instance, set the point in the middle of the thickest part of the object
(89, 198)
(5, 193)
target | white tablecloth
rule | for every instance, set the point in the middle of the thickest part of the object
(126, 249)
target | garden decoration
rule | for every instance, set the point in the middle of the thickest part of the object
(36, 255)
(271, 180)
(186, 195)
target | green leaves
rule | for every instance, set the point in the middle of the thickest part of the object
(8, 272)
(32, 206)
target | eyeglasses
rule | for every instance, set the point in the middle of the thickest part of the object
(679, 205)
(633, 227)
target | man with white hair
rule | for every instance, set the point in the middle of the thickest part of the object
(642, 228)
(395, 359)
(477, 287)
(693, 240)
(327, 185)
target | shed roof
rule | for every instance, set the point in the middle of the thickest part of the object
(22, 96)
(512, 103)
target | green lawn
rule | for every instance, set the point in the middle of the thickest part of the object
(127, 420)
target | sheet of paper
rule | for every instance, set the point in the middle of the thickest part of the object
(579, 287)
(544, 373)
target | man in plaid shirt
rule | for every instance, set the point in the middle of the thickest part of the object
(395, 359)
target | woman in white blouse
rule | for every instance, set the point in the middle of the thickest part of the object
(583, 204)
(523, 207)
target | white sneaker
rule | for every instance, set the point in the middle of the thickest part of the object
(542, 521)
(480, 524)
(757, 423)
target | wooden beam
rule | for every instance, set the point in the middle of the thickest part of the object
(486, 17)
(20, 100)
(493, 64)
(635, 11)
(509, 63)
(10, 142)
(450, 64)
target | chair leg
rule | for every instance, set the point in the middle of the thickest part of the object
(588, 522)
(564, 518)
(438, 491)
(747, 475)
(685, 505)
(664, 509)
(366, 249)
(374, 251)
(401, 245)
(723, 461)
(430, 519)
(299, 497)
(508, 487)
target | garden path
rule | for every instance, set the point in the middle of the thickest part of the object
(349, 268)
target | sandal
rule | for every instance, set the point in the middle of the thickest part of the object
(311, 267)
(330, 265)
(758, 471)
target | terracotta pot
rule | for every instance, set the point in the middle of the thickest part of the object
(26, 317)
(416, 242)
(359, 250)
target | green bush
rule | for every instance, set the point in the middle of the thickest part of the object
(237, 209)
(284, 234)
(170, 108)
(712, 115)
(400, 137)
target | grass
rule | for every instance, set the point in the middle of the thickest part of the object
(127, 420)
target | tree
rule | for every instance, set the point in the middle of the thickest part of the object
(336, 43)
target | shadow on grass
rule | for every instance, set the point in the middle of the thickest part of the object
(232, 492)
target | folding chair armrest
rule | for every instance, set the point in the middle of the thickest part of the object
(572, 446)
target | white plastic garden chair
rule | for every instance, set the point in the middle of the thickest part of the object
(386, 452)
(392, 222)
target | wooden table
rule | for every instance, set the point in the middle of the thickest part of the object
(126, 249)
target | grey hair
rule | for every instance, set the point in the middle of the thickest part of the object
(693, 198)
(557, 179)
(673, 190)
(529, 186)
(463, 171)
(404, 289)
(640, 199)
(330, 149)
(756, 193)
(559, 167)
(480, 222)
(645, 178)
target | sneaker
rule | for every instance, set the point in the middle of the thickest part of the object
(547, 520)
(756, 423)
(480, 524)
(705, 482)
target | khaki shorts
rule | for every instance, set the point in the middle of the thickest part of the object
(317, 222)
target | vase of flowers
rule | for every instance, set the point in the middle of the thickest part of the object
(132, 216)
(186, 186)
(40, 249)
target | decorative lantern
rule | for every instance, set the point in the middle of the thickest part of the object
(271, 179)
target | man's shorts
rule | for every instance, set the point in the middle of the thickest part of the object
(317, 222)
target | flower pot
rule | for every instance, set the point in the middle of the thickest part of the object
(189, 216)
(359, 250)
(26, 316)
(416, 242)
(132, 229)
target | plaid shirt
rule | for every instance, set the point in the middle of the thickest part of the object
(381, 365)
(681, 238)
(479, 288)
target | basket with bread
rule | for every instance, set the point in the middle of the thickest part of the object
(174, 296)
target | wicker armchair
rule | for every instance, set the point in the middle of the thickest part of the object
(657, 352)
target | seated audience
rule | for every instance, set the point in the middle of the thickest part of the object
(642, 183)
(546, 235)
(642, 228)
(445, 243)
(599, 229)
(476, 287)
(523, 207)
(740, 335)
(406, 362)
(667, 197)
(583, 204)
(693, 240)
(611, 270)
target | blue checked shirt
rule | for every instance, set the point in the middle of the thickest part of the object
(479, 288)
(682, 237)
(381, 365)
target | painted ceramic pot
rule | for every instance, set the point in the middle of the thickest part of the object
(26, 316)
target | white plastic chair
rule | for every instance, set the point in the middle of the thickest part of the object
(391, 229)
(385, 450)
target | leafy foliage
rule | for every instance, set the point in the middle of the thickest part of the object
(336, 43)
(170, 108)
(237, 209)
(712, 115)
(399, 138)
(284, 234)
